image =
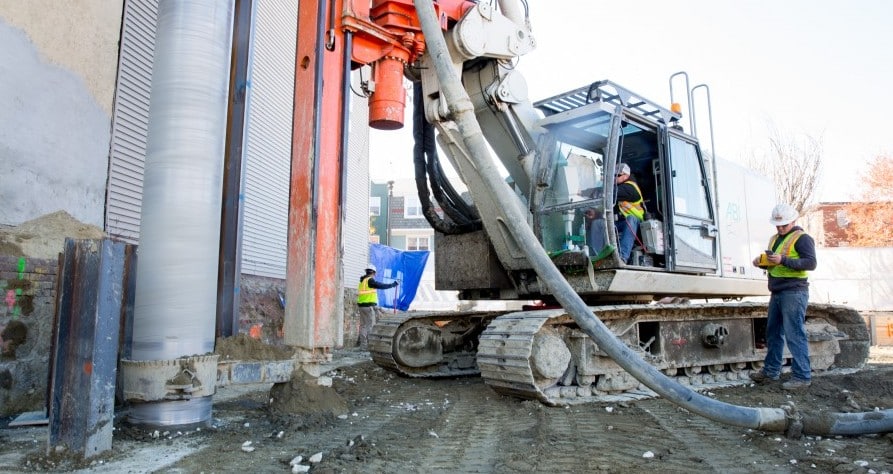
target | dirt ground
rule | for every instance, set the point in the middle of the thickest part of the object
(392, 424)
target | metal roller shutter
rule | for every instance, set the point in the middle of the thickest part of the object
(130, 120)
(269, 105)
(267, 147)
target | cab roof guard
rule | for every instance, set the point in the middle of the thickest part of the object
(607, 92)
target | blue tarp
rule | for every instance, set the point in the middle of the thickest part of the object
(402, 265)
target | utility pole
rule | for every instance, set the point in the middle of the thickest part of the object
(388, 213)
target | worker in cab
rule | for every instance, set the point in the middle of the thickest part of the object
(630, 208)
(367, 303)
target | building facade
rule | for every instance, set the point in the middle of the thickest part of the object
(77, 80)
(395, 209)
(75, 93)
(827, 222)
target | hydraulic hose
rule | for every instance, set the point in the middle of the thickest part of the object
(767, 419)
(452, 203)
(462, 217)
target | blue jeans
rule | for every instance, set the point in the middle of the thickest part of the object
(787, 315)
(596, 236)
(626, 234)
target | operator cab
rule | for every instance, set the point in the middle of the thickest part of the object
(591, 131)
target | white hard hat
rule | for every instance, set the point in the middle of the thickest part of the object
(371, 267)
(783, 214)
(623, 168)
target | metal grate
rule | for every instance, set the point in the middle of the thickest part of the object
(607, 92)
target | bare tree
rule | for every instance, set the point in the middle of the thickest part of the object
(870, 217)
(794, 166)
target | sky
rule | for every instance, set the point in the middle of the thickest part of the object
(819, 68)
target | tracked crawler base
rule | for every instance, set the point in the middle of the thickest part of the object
(542, 355)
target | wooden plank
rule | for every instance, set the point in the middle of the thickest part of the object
(882, 330)
(30, 418)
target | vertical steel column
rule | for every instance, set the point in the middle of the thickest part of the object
(231, 221)
(90, 302)
(314, 217)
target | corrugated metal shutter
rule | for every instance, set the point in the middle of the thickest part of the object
(130, 120)
(267, 145)
(268, 152)
(268, 138)
(355, 227)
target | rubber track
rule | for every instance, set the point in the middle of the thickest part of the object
(504, 355)
(381, 346)
(505, 347)
(854, 349)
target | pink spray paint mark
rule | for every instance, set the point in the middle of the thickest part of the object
(10, 299)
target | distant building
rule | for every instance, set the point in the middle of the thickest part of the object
(378, 216)
(827, 223)
(396, 220)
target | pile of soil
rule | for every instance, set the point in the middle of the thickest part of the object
(303, 395)
(244, 347)
(44, 237)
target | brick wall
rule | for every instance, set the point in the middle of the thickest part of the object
(26, 329)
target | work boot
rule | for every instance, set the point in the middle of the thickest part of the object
(796, 384)
(761, 377)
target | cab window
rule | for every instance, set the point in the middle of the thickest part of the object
(689, 183)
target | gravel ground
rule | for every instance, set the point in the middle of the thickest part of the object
(395, 424)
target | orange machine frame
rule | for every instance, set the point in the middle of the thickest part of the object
(388, 37)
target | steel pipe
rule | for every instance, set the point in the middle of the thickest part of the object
(176, 286)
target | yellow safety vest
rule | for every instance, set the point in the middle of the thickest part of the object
(786, 249)
(633, 207)
(365, 293)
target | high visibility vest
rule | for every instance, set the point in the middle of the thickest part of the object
(786, 249)
(365, 293)
(635, 208)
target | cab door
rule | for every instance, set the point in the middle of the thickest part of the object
(693, 232)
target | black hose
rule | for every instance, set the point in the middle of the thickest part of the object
(453, 205)
(844, 424)
(461, 218)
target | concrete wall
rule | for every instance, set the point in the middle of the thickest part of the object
(58, 67)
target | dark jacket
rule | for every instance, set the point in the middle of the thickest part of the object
(626, 192)
(377, 286)
(805, 247)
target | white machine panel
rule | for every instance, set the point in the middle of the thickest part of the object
(745, 201)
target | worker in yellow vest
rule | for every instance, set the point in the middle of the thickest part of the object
(631, 210)
(791, 253)
(367, 303)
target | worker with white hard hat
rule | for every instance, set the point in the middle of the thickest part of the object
(791, 253)
(630, 211)
(367, 303)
